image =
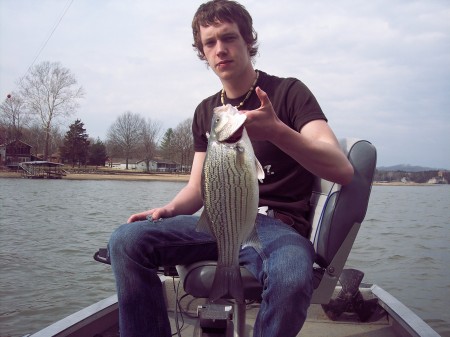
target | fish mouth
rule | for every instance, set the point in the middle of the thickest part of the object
(236, 136)
(233, 131)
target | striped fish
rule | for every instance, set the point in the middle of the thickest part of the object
(230, 195)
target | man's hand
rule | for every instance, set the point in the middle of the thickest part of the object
(262, 123)
(156, 214)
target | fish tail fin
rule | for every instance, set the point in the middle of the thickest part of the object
(227, 282)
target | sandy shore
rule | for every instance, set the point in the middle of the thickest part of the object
(161, 177)
(398, 183)
(118, 176)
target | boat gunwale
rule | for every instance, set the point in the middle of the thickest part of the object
(400, 313)
(405, 319)
(80, 319)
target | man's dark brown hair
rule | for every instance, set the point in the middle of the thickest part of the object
(213, 12)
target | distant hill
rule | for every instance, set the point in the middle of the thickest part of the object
(406, 168)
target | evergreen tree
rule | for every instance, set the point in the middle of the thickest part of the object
(167, 145)
(76, 144)
(97, 153)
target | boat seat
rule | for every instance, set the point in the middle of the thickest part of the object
(336, 215)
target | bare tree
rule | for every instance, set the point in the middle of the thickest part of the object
(151, 131)
(13, 116)
(124, 135)
(50, 92)
(35, 136)
(183, 143)
(56, 139)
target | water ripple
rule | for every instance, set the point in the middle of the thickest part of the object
(403, 246)
(50, 229)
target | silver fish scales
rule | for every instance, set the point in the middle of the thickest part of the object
(230, 194)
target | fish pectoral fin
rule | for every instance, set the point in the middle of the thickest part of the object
(259, 170)
(203, 224)
(252, 240)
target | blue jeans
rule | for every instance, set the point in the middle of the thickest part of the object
(283, 266)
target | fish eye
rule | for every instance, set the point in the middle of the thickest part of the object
(220, 123)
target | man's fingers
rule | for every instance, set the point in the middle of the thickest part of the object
(264, 99)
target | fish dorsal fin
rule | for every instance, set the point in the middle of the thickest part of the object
(203, 224)
(259, 170)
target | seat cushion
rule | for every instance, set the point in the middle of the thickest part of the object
(197, 279)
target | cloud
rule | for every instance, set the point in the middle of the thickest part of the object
(380, 69)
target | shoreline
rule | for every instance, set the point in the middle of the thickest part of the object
(398, 183)
(109, 176)
(163, 177)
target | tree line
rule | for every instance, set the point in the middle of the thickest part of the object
(49, 94)
(132, 136)
(414, 177)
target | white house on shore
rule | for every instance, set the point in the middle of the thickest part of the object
(140, 165)
(440, 179)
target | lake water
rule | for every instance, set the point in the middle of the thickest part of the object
(49, 230)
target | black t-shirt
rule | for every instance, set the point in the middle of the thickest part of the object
(287, 185)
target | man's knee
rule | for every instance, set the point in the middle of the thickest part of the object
(294, 273)
(129, 239)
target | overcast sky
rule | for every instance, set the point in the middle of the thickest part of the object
(380, 69)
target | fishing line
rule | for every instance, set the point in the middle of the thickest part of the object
(50, 35)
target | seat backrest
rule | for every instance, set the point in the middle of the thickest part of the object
(335, 209)
(336, 214)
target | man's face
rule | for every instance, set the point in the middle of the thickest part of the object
(225, 50)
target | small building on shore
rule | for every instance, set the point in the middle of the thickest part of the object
(156, 165)
(440, 179)
(15, 152)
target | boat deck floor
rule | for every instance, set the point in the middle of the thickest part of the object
(316, 325)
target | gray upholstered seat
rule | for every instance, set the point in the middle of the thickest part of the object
(336, 215)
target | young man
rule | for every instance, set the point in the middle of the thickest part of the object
(293, 142)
